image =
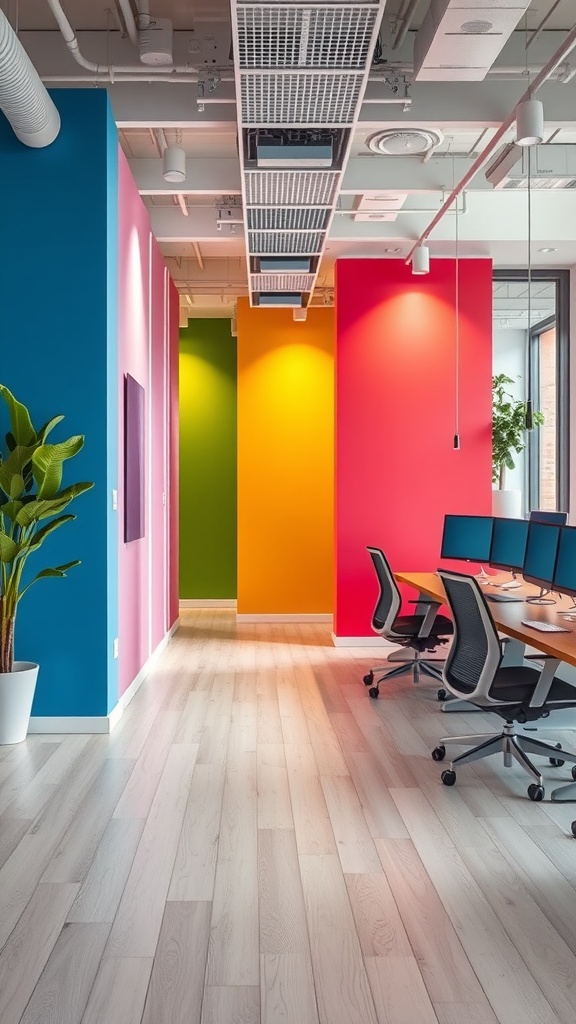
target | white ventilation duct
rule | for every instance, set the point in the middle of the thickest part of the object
(459, 40)
(23, 98)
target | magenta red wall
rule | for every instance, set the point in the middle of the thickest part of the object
(148, 350)
(397, 473)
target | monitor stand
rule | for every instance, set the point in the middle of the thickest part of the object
(541, 597)
(482, 576)
(512, 584)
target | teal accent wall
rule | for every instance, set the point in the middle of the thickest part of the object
(208, 474)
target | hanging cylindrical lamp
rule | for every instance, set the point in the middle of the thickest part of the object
(529, 123)
(174, 164)
(421, 260)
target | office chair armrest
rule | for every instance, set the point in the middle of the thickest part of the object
(545, 681)
(430, 613)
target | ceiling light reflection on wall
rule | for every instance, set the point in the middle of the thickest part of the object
(174, 164)
(529, 123)
(421, 260)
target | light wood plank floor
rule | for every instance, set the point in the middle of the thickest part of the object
(260, 843)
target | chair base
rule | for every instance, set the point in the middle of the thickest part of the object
(514, 747)
(408, 660)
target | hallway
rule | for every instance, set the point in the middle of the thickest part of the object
(258, 841)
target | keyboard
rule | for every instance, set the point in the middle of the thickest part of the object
(545, 627)
(502, 597)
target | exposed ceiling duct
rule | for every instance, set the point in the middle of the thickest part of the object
(301, 72)
(551, 167)
(23, 98)
(459, 40)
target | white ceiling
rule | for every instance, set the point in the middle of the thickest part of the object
(209, 265)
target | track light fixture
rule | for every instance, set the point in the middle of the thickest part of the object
(174, 164)
(421, 260)
(529, 123)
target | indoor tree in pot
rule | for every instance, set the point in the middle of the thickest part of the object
(508, 439)
(31, 502)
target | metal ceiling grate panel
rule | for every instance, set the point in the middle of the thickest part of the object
(287, 219)
(304, 243)
(282, 282)
(291, 188)
(305, 3)
(307, 37)
(299, 98)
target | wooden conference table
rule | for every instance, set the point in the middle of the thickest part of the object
(508, 616)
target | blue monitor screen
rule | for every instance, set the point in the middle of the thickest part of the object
(565, 571)
(467, 538)
(540, 515)
(508, 547)
(541, 553)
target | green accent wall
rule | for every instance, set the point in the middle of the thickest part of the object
(208, 460)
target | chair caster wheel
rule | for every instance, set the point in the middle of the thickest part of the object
(573, 829)
(374, 692)
(439, 753)
(368, 679)
(441, 695)
(448, 777)
(574, 772)
(536, 792)
(556, 762)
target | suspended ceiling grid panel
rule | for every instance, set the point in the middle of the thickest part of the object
(282, 282)
(298, 65)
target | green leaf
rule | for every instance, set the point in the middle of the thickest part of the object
(48, 427)
(12, 470)
(41, 534)
(43, 508)
(21, 424)
(47, 464)
(59, 571)
(8, 548)
(11, 509)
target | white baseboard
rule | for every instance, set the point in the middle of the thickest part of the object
(362, 641)
(104, 723)
(207, 602)
(283, 617)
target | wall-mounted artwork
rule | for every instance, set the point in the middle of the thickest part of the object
(134, 412)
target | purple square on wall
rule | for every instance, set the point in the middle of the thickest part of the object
(133, 459)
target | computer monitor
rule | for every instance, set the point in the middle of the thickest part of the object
(540, 558)
(508, 547)
(541, 515)
(467, 538)
(565, 569)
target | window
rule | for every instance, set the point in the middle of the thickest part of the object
(536, 355)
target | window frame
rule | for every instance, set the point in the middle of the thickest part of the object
(561, 318)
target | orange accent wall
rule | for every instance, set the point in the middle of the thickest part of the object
(285, 461)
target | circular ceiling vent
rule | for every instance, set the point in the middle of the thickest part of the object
(409, 142)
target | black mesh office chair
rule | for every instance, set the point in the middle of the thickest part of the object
(517, 693)
(420, 632)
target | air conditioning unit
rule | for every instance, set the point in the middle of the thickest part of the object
(274, 154)
(550, 167)
(280, 299)
(285, 264)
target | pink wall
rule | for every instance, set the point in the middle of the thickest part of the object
(397, 473)
(148, 350)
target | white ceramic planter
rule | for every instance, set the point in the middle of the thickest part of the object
(16, 696)
(507, 504)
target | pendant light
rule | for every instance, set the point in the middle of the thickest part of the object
(529, 412)
(456, 441)
(421, 260)
(529, 123)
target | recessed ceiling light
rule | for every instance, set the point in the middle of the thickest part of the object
(548, 248)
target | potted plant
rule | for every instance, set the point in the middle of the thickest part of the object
(31, 502)
(508, 439)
